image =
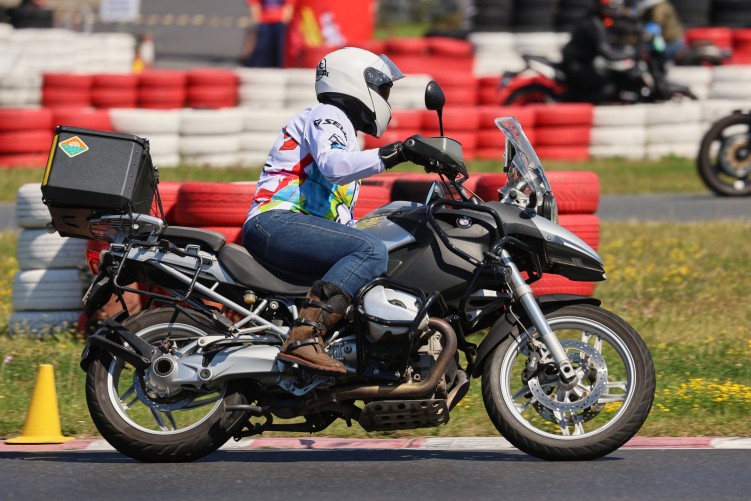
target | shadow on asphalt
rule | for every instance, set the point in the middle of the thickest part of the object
(292, 456)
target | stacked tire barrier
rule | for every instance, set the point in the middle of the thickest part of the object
(66, 90)
(47, 290)
(162, 89)
(110, 90)
(261, 127)
(211, 138)
(673, 129)
(211, 88)
(160, 127)
(563, 131)
(27, 134)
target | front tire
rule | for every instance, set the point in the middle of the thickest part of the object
(724, 160)
(530, 94)
(595, 415)
(177, 428)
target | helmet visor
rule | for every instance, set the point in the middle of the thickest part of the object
(381, 75)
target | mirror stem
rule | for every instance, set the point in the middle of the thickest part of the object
(440, 120)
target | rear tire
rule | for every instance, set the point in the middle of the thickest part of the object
(138, 425)
(531, 94)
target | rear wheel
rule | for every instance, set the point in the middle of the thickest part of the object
(531, 94)
(596, 413)
(149, 427)
(724, 160)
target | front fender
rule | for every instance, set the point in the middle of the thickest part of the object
(507, 325)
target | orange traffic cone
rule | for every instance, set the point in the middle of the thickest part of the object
(42, 424)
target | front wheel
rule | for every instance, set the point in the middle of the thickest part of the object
(139, 422)
(530, 94)
(596, 413)
(724, 160)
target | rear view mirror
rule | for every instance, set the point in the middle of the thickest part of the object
(435, 100)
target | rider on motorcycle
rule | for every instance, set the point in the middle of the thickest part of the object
(608, 32)
(300, 215)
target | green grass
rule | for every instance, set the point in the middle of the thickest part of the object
(684, 288)
(617, 176)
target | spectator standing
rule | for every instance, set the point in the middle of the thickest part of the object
(272, 18)
(31, 14)
(663, 14)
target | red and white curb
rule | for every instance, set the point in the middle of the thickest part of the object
(438, 443)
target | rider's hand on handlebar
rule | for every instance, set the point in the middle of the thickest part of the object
(401, 151)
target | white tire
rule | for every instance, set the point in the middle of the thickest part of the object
(685, 150)
(209, 144)
(47, 290)
(631, 152)
(30, 210)
(43, 323)
(262, 76)
(253, 158)
(224, 121)
(266, 120)
(690, 75)
(219, 160)
(143, 122)
(731, 90)
(618, 136)
(302, 77)
(619, 116)
(257, 141)
(674, 133)
(714, 109)
(259, 94)
(732, 73)
(38, 249)
(674, 113)
(166, 161)
(163, 144)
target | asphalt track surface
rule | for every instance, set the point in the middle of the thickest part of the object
(660, 207)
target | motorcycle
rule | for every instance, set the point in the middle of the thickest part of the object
(724, 158)
(544, 81)
(562, 378)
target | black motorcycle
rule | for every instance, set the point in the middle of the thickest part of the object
(562, 378)
(724, 159)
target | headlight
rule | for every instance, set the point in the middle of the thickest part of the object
(549, 207)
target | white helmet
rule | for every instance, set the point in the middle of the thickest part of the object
(359, 82)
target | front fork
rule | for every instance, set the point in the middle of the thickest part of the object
(523, 291)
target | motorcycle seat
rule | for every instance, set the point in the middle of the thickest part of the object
(210, 241)
(251, 272)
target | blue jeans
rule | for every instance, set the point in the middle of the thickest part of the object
(342, 255)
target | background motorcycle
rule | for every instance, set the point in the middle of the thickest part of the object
(562, 378)
(724, 159)
(643, 80)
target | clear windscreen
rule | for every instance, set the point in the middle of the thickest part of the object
(526, 183)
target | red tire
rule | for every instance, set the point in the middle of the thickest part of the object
(576, 192)
(456, 118)
(17, 119)
(416, 46)
(556, 284)
(584, 226)
(212, 77)
(445, 46)
(213, 204)
(85, 118)
(563, 114)
(388, 137)
(109, 97)
(205, 96)
(161, 97)
(62, 97)
(563, 136)
(409, 121)
(491, 139)
(462, 96)
(489, 113)
(67, 80)
(162, 78)
(27, 141)
(168, 193)
(116, 81)
(370, 198)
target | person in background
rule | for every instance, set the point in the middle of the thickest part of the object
(607, 32)
(272, 18)
(660, 18)
(301, 216)
(31, 14)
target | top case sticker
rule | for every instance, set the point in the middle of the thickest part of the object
(73, 146)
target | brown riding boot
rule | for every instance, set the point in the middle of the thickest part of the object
(324, 305)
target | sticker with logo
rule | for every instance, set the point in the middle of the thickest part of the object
(321, 70)
(73, 146)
